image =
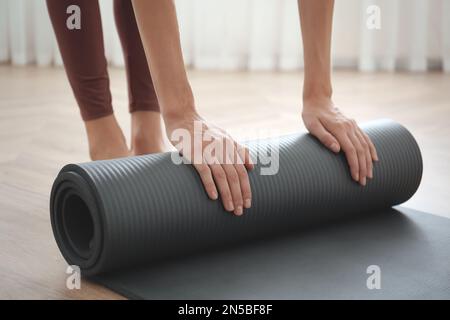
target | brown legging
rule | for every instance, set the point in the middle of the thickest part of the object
(84, 59)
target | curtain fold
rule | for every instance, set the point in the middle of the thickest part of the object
(258, 34)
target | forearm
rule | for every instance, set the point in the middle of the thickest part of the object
(321, 117)
(316, 17)
(160, 36)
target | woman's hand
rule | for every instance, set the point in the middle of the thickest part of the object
(220, 173)
(337, 132)
(320, 116)
(219, 160)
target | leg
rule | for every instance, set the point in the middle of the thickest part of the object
(85, 64)
(147, 133)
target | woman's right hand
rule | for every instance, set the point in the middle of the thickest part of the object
(220, 161)
(158, 29)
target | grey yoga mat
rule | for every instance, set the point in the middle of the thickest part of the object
(144, 227)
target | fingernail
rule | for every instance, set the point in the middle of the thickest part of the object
(214, 195)
(376, 158)
(370, 175)
(238, 211)
(334, 147)
(363, 181)
(356, 176)
(230, 206)
(247, 203)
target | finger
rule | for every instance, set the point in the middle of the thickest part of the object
(373, 150)
(244, 153)
(369, 164)
(325, 137)
(245, 185)
(220, 178)
(235, 188)
(350, 153)
(361, 157)
(207, 179)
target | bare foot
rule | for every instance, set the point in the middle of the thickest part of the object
(106, 140)
(147, 133)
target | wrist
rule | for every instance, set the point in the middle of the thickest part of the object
(178, 108)
(317, 92)
(180, 115)
(317, 102)
(317, 89)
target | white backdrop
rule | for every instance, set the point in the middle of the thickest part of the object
(258, 34)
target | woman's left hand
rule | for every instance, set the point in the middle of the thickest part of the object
(337, 132)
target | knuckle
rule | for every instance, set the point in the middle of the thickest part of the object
(220, 174)
(237, 199)
(353, 162)
(348, 124)
(328, 139)
(210, 186)
(246, 191)
(247, 195)
(226, 196)
(363, 168)
(341, 126)
(233, 178)
(242, 173)
(364, 143)
(245, 187)
(203, 170)
(350, 149)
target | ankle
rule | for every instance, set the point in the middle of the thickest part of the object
(106, 140)
(147, 133)
(145, 143)
(107, 151)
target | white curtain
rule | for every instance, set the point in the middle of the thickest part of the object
(258, 34)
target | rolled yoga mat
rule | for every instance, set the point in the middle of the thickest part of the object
(144, 227)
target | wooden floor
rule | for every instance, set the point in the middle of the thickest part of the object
(40, 131)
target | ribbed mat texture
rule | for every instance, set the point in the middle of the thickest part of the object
(109, 216)
(147, 207)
